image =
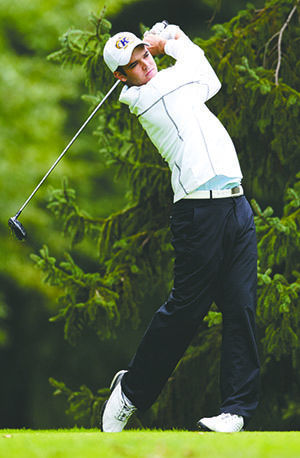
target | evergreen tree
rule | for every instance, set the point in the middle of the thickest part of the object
(41, 108)
(256, 56)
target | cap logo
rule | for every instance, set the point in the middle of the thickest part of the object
(123, 42)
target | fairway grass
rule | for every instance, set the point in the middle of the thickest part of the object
(147, 444)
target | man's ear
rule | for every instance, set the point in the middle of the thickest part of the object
(120, 76)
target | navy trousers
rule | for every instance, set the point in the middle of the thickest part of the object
(215, 261)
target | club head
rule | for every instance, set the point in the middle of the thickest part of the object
(17, 228)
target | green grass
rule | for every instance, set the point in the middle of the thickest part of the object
(147, 444)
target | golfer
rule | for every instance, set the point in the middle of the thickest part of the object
(212, 226)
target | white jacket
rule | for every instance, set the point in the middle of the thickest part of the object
(171, 108)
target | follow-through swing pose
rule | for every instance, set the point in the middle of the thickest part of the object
(212, 226)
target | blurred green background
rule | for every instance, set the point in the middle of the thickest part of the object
(41, 109)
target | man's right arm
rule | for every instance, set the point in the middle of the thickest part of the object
(190, 57)
(156, 44)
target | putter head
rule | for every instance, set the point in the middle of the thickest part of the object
(17, 228)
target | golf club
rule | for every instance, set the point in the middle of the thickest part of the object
(15, 225)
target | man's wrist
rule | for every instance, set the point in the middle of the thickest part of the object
(156, 44)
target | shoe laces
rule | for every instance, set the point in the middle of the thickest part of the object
(228, 416)
(126, 410)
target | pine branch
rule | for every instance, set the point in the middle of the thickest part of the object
(84, 406)
(278, 312)
(76, 223)
(216, 10)
(280, 35)
(266, 48)
(88, 299)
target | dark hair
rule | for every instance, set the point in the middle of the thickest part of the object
(121, 70)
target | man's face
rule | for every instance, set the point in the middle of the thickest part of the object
(141, 68)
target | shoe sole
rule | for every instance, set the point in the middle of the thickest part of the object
(203, 427)
(101, 415)
(117, 379)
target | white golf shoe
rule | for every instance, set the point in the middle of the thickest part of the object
(223, 423)
(117, 410)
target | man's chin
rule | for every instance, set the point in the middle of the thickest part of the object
(151, 74)
(144, 80)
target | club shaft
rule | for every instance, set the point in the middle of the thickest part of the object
(67, 147)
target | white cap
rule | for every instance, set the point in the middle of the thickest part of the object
(118, 49)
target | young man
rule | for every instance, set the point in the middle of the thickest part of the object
(212, 226)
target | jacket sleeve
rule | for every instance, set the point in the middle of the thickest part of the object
(192, 59)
